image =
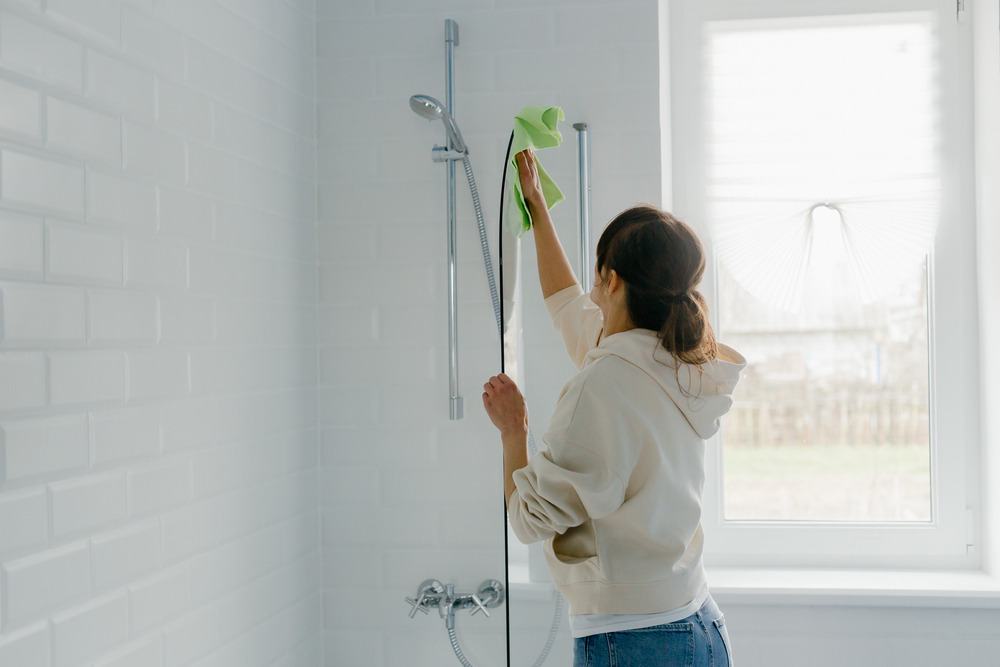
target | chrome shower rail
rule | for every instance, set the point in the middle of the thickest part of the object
(583, 163)
(454, 400)
(455, 149)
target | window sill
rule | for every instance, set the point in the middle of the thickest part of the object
(885, 588)
(524, 589)
(849, 588)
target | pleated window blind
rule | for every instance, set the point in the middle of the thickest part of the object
(823, 163)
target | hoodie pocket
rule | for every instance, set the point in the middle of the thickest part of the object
(576, 549)
(567, 569)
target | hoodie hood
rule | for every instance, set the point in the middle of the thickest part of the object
(702, 394)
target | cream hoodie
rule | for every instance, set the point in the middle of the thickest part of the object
(616, 493)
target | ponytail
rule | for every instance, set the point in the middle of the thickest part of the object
(686, 331)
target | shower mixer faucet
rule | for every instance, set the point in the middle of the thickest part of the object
(432, 593)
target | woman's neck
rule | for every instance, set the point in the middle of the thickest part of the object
(617, 320)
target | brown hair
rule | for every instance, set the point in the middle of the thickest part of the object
(661, 261)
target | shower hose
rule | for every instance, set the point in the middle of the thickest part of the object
(532, 447)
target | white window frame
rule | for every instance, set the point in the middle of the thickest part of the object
(948, 541)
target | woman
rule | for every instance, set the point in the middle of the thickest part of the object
(616, 495)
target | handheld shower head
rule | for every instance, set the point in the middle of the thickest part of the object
(427, 107)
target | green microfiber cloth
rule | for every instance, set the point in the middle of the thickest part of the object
(534, 127)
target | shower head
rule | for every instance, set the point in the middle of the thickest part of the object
(429, 108)
(426, 106)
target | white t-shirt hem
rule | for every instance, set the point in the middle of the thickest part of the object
(584, 625)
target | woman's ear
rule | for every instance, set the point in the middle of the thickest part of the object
(614, 282)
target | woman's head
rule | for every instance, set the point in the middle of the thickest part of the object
(661, 262)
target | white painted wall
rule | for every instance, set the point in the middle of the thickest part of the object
(986, 36)
(860, 636)
(158, 441)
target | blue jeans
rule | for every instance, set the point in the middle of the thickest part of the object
(700, 640)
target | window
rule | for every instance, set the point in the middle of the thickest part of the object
(821, 149)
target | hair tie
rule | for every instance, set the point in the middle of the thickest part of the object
(676, 298)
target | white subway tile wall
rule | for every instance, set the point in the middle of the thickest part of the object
(28, 646)
(91, 630)
(21, 115)
(23, 387)
(83, 256)
(125, 554)
(45, 53)
(35, 183)
(159, 450)
(46, 580)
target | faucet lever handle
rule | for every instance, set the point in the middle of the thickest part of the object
(480, 606)
(418, 604)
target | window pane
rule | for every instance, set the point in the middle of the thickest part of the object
(822, 196)
(831, 416)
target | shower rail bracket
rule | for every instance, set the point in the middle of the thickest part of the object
(445, 154)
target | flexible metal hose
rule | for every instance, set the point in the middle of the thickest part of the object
(483, 242)
(560, 603)
(556, 617)
(457, 648)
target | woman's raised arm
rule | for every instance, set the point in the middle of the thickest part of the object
(554, 270)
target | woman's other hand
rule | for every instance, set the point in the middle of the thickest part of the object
(531, 186)
(505, 405)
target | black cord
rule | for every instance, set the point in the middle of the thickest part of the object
(503, 191)
(506, 553)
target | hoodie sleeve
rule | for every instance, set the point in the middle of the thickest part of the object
(577, 319)
(568, 482)
(560, 490)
